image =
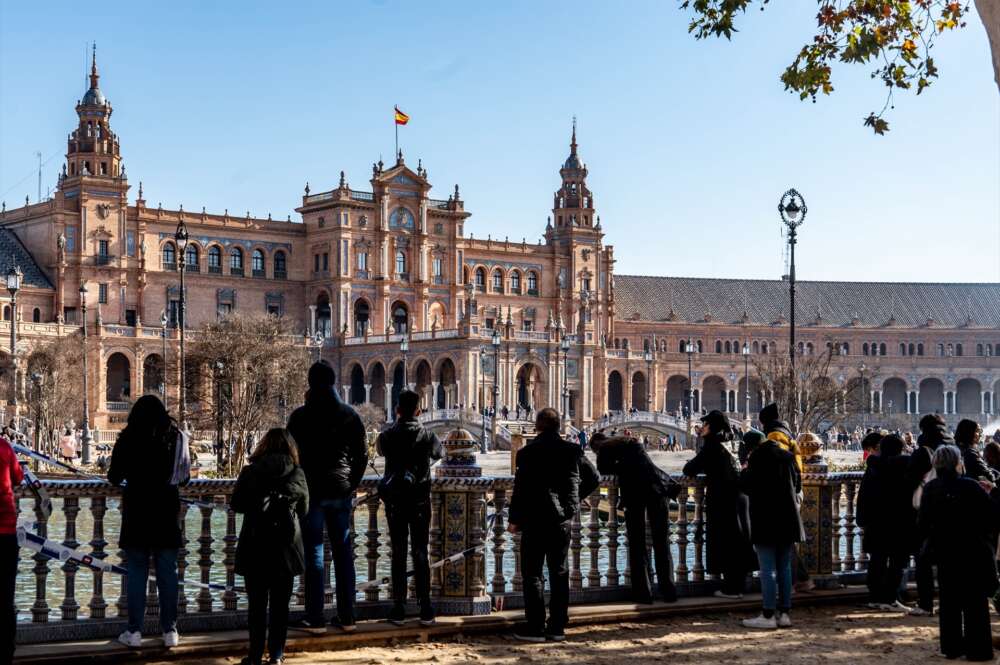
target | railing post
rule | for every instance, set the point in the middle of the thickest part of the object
(69, 607)
(98, 606)
(698, 570)
(229, 559)
(817, 513)
(499, 582)
(182, 552)
(434, 542)
(681, 570)
(612, 575)
(205, 553)
(594, 540)
(40, 608)
(371, 546)
(850, 527)
(463, 526)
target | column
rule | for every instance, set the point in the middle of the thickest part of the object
(312, 320)
(434, 394)
(916, 402)
(457, 395)
(347, 393)
(368, 393)
(908, 393)
(388, 401)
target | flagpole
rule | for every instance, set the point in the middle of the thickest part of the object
(396, 125)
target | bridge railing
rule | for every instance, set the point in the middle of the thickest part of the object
(57, 600)
(626, 418)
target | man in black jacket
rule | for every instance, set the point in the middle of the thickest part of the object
(333, 454)
(409, 451)
(551, 477)
(645, 490)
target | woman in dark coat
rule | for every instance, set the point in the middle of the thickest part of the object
(272, 494)
(143, 461)
(968, 434)
(773, 485)
(729, 552)
(960, 520)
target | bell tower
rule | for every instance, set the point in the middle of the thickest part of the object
(573, 202)
(92, 149)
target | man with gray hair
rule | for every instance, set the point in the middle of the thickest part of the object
(960, 521)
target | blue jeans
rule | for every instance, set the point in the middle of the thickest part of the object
(336, 513)
(775, 562)
(165, 562)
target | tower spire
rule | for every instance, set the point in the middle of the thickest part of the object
(572, 143)
(93, 66)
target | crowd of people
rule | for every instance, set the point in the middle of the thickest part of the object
(935, 499)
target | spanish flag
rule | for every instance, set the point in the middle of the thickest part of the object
(401, 118)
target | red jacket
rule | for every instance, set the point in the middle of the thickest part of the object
(10, 477)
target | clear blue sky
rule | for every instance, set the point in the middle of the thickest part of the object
(689, 144)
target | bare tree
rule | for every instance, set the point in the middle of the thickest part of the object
(55, 384)
(824, 398)
(256, 367)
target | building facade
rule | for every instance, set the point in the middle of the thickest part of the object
(546, 323)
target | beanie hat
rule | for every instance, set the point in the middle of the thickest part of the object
(716, 421)
(768, 414)
(321, 376)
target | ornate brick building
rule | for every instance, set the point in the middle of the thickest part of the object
(365, 268)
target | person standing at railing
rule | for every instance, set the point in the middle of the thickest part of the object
(273, 496)
(332, 449)
(728, 548)
(11, 476)
(551, 477)
(409, 452)
(148, 460)
(645, 489)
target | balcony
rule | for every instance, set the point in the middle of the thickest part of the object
(236, 272)
(533, 292)
(259, 274)
(192, 267)
(214, 270)
(362, 274)
(281, 274)
(168, 267)
(102, 260)
(403, 276)
(439, 279)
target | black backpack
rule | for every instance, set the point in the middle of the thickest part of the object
(277, 519)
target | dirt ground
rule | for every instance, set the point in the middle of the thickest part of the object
(820, 635)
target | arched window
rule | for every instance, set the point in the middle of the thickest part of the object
(846, 349)
(882, 350)
(958, 349)
(498, 281)
(280, 265)
(361, 316)
(236, 261)
(169, 256)
(729, 347)
(400, 318)
(756, 347)
(625, 343)
(979, 349)
(681, 347)
(700, 349)
(257, 263)
(902, 349)
(36, 315)
(191, 258)
(215, 259)
(864, 349)
(920, 349)
(718, 346)
(400, 262)
(515, 282)
(809, 348)
(465, 275)
(480, 279)
(532, 283)
(6, 312)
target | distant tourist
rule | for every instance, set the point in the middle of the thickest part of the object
(10, 477)
(646, 491)
(148, 461)
(991, 455)
(409, 452)
(551, 477)
(333, 453)
(773, 485)
(272, 494)
(727, 542)
(961, 521)
(885, 512)
(933, 434)
(67, 445)
(968, 435)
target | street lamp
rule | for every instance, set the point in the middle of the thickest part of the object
(792, 210)
(564, 393)
(181, 236)
(14, 277)
(495, 341)
(404, 347)
(318, 342)
(163, 373)
(649, 380)
(864, 405)
(85, 435)
(36, 382)
(746, 378)
(689, 349)
(219, 460)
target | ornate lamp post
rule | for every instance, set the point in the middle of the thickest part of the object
(181, 236)
(862, 389)
(689, 350)
(85, 435)
(792, 209)
(649, 380)
(163, 374)
(404, 347)
(495, 341)
(220, 447)
(564, 393)
(14, 277)
(318, 344)
(746, 378)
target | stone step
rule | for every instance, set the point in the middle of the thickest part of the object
(381, 633)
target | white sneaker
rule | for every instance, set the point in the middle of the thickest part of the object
(170, 639)
(894, 607)
(729, 596)
(130, 639)
(784, 621)
(761, 622)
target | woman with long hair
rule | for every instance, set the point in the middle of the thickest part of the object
(148, 461)
(10, 477)
(273, 496)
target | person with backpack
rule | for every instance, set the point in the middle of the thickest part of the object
(272, 494)
(727, 541)
(933, 434)
(645, 490)
(333, 454)
(11, 475)
(551, 477)
(405, 489)
(150, 460)
(960, 520)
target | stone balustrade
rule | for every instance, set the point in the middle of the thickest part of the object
(57, 601)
